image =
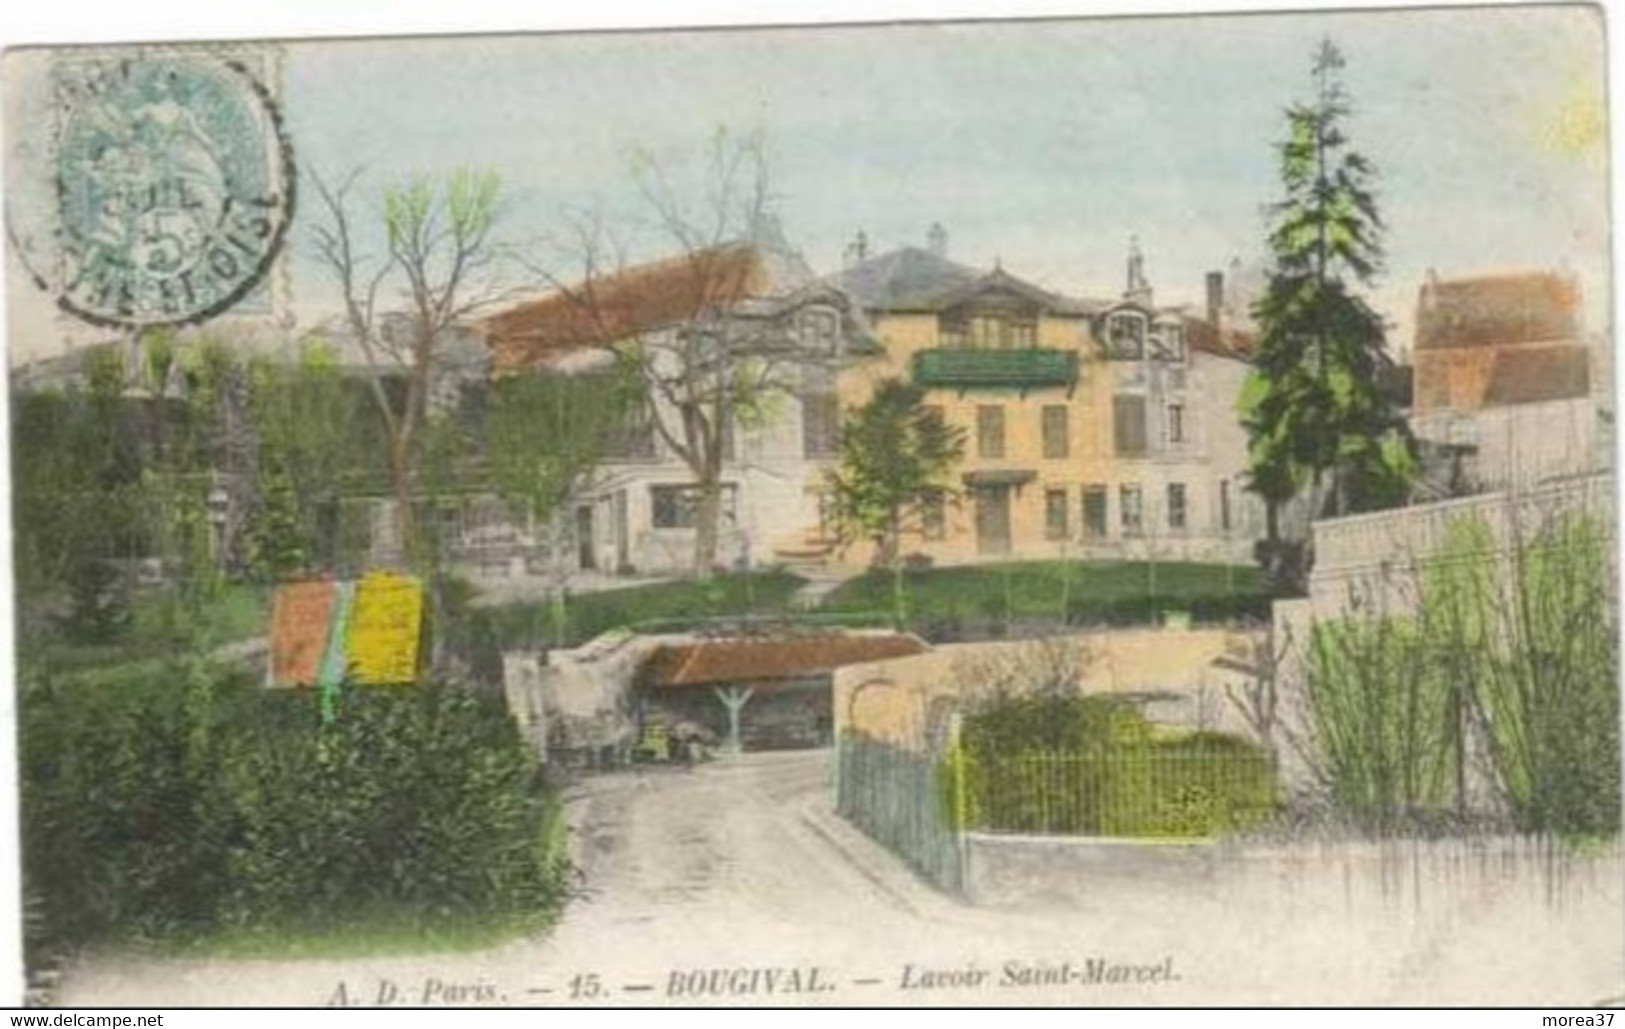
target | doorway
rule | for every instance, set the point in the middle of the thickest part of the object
(585, 551)
(623, 550)
(993, 520)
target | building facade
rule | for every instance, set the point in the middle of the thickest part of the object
(638, 511)
(1093, 429)
(1509, 392)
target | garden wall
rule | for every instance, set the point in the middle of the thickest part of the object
(902, 699)
(1305, 877)
(1002, 870)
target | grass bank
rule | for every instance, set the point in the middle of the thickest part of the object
(1062, 592)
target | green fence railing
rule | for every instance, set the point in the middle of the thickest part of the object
(901, 800)
(1134, 792)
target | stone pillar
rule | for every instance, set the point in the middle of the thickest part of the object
(522, 689)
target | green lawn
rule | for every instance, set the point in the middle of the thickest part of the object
(665, 606)
(1078, 592)
(942, 602)
(242, 611)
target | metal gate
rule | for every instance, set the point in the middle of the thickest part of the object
(904, 801)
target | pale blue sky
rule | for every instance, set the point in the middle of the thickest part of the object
(1045, 144)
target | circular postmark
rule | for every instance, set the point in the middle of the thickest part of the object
(173, 187)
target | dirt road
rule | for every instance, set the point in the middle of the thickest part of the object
(732, 883)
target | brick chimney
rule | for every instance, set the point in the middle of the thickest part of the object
(857, 251)
(1215, 297)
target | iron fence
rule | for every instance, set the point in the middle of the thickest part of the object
(1134, 792)
(902, 800)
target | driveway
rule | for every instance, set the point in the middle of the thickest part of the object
(732, 883)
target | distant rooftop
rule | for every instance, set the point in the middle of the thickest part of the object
(907, 279)
(1497, 310)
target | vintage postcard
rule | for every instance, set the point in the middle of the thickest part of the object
(1075, 511)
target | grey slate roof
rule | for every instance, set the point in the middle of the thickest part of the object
(908, 279)
(913, 279)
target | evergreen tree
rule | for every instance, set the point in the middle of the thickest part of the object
(895, 454)
(1314, 406)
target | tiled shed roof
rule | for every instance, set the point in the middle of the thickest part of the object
(754, 661)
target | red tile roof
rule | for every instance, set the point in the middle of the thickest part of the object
(1209, 338)
(755, 661)
(1530, 375)
(1495, 310)
(609, 308)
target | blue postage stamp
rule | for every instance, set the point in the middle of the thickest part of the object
(173, 186)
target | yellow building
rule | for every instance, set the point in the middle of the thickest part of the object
(1092, 428)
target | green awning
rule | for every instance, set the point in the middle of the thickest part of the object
(1000, 477)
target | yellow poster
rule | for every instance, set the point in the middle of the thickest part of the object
(385, 627)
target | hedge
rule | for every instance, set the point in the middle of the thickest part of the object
(180, 802)
(1092, 766)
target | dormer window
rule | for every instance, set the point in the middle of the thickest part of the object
(1125, 336)
(819, 328)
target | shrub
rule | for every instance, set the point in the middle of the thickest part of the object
(1091, 766)
(121, 815)
(1512, 637)
(1053, 722)
(1385, 726)
(178, 803)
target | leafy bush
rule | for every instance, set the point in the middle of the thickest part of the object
(179, 802)
(469, 635)
(99, 610)
(1512, 638)
(119, 811)
(1086, 765)
(1384, 720)
(1531, 642)
(1053, 722)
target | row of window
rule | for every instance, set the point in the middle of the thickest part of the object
(1130, 507)
(1131, 511)
(821, 429)
(1129, 427)
(677, 507)
(989, 332)
(1129, 336)
(1096, 520)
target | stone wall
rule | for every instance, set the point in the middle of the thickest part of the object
(1174, 673)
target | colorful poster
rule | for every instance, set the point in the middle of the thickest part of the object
(385, 625)
(334, 669)
(300, 616)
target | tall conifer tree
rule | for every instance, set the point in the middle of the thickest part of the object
(1314, 406)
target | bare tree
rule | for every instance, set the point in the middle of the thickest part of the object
(1052, 665)
(437, 261)
(1258, 699)
(713, 332)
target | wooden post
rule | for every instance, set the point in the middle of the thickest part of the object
(733, 699)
